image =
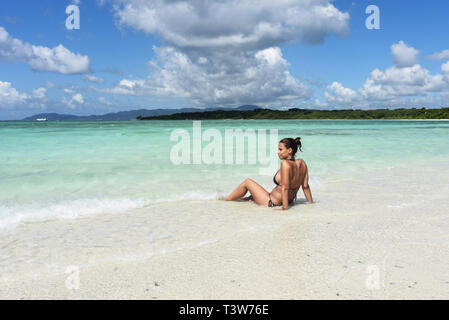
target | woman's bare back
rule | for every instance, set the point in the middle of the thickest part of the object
(298, 174)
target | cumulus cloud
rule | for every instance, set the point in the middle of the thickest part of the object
(58, 59)
(337, 94)
(399, 82)
(78, 98)
(226, 52)
(404, 55)
(246, 23)
(9, 96)
(261, 78)
(401, 85)
(405, 83)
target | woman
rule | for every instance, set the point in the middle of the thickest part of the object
(292, 175)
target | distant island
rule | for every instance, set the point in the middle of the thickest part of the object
(307, 114)
(127, 115)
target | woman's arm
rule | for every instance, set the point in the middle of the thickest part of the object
(285, 180)
(306, 187)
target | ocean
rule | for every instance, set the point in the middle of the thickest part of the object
(83, 193)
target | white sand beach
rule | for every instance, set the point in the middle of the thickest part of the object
(382, 236)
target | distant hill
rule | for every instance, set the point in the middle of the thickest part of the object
(129, 115)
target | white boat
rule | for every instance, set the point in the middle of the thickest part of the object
(41, 119)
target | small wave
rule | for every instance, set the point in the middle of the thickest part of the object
(72, 209)
(12, 216)
(201, 195)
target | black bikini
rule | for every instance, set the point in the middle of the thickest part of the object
(270, 203)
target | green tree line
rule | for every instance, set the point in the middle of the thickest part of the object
(264, 114)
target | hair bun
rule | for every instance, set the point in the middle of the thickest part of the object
(298, 143)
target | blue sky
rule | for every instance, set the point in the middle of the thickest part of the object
(131, 54)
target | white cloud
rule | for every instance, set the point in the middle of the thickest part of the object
(255, 24)
(129, 87)
(399, 82)
(75, 99)
(91, 78)
(40, 93)
(9, 96)
(261, 78)
(78, 98)
(401, 85)
(405, 83)
(271, 56)
(339, 94)
(413, 76)
(58, 59)
(404, 55)
(225, 52)
(443, 55)
(445, 67)
(130, 84)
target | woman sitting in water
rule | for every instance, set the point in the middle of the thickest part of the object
(292, 175)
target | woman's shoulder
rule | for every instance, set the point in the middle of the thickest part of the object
(302, 163)
(286, 163)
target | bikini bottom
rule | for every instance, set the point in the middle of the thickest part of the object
(271, 204)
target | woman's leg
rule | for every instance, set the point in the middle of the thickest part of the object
(258, 193)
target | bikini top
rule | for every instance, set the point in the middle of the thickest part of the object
(274, 178)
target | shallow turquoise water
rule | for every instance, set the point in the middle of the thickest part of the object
(68, 169)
